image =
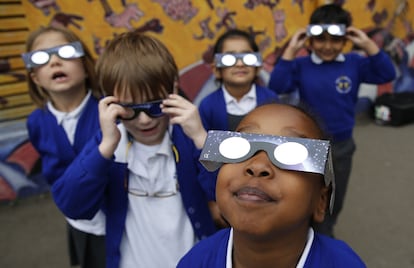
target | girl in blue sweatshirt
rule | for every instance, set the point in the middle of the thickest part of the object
(237, 63)
(62, 84)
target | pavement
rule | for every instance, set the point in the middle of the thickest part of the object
(377, 219)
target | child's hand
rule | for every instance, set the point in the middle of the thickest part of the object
(185, 113)
(109, 111)
(296, 43)
(362, 40)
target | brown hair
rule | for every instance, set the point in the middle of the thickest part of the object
(38, 94)
(137, 65)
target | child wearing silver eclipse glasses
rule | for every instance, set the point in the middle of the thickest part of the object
(57, 138)
(328, 80)
(271, 190)
(236, 67)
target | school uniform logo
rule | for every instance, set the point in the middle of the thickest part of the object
(343, 84)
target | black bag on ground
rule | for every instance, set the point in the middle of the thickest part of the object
(394, 109)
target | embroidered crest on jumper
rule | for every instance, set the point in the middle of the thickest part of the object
(343, 84)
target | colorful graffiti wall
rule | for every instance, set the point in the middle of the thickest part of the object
(189, 29)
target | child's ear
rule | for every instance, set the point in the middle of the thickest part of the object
(258, 69)
(216, 71)
(322, 205)
(34, 78)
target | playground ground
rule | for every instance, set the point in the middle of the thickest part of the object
(377, 220)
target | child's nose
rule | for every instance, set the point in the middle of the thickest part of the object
(143, 117)
(328, 43)
(259, 166)
(239, 62)
(54, 59)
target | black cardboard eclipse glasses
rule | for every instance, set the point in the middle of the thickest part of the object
(152, 109)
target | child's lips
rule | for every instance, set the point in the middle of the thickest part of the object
(241, 72)
(149, 130)
(253, 194)
(58, 76)
(328, 54)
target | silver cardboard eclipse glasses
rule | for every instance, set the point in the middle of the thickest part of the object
(252, 59)
(332, 29)
(289, 153)
(40, 57)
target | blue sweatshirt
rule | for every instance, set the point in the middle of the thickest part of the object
(51, 142)
(213, 111)
(325, 252)
(331, 88)
(93, 182)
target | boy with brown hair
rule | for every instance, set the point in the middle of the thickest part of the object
(142, 169)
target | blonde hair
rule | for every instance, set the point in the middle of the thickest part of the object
(41, 96)
(137, 65)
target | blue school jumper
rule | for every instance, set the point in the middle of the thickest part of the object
(325, 252)
(213, 110)
(93, 182)
(51, 142)
(331, 88)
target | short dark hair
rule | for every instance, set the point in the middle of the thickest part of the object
(235, 33)
(331, 14)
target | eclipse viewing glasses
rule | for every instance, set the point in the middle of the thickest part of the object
(332, 29)
(41, 57)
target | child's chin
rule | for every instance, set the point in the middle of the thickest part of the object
(328, 58)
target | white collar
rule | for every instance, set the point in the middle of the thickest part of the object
(60, 116)
(302, 260)
(251, 94)
(317, 60)
(124, 144)
(305, 253)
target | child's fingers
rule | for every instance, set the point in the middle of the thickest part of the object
(173, 100)
(106, 101)
(176, 104)
(110, 111)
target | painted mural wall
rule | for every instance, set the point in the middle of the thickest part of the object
(189, 29)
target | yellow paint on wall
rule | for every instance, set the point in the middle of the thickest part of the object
(179, 35)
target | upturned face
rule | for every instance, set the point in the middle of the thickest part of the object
(57, 75)
(258, 198)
